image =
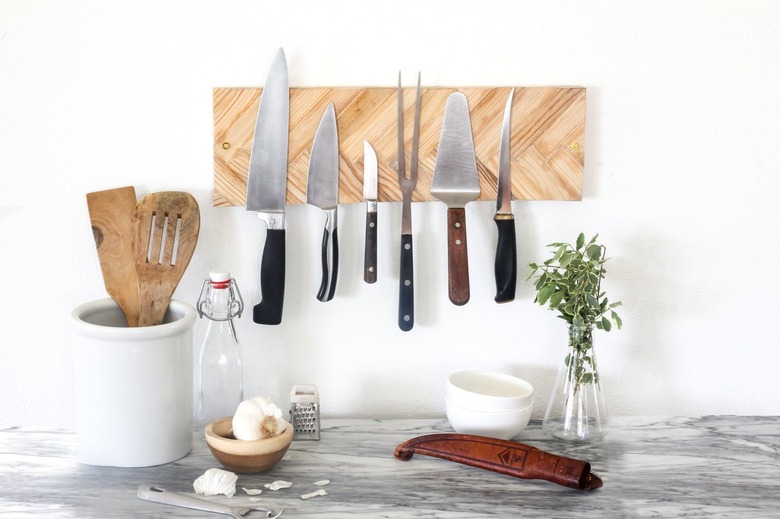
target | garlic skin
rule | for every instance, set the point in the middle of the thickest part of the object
(257, 419)
(216, 481)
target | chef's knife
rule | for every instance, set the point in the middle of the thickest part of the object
(506, 249)
(322, 190)
(456, 182)
(267, 187)
(370, 182)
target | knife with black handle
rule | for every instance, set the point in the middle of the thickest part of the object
(506, 248)
(370, 184)
(267, 187)
(322, 190)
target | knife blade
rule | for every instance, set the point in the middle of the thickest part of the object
(456, 182)
(267, 187)
(322, 190)
(370, 182)
(506, 248)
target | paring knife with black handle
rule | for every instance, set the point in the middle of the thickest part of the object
(267, 187)
(506, 249)
(370, 183)
(322, 190)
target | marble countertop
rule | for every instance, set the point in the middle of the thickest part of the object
(714, 466)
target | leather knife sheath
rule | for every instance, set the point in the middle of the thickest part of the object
(505, 457)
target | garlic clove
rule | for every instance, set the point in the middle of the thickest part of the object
(216, 481)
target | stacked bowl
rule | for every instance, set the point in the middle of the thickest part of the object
(488, 404)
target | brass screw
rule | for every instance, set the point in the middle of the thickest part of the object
(225, 145)
(575, 146)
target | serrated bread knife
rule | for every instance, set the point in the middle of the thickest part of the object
(322, 190)
(267, 187)
(456, 182)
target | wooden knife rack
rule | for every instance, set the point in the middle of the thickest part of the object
(547, 144)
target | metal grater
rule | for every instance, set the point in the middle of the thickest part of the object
(305, 412)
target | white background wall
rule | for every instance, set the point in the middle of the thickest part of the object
(681, 182)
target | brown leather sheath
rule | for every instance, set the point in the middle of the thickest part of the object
(506, 457)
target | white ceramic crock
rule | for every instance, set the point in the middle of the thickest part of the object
(133, 386)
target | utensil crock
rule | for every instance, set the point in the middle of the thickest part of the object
(133, 386)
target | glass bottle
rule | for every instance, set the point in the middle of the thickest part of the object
(220, 376)
(577, 410)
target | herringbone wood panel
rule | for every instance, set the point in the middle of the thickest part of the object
(547, 145)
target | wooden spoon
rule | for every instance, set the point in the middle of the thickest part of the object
(111, 215)
(165, 231)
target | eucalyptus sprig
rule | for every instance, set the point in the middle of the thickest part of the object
(570, 282)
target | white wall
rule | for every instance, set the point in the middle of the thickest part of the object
(681, 182)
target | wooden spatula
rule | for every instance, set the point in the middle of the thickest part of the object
(165, 231)
(111, 215)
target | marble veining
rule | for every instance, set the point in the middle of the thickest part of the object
(712, 466)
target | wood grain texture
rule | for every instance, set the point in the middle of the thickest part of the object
(547, 144)
(457, 257)
(111, 216)
(163, 215)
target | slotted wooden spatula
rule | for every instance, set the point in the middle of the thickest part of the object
(111, 215)
(165, 231)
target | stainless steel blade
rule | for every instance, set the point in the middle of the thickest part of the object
(322, 187)
(504, 198)
(267, 183)
(370, 180)
(455, 177)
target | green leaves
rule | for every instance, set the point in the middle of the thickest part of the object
(569, 283)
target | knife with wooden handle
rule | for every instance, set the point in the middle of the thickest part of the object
(370, 182)
(506, 248)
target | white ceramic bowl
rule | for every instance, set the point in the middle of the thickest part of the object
(488, 392)
(504, 425)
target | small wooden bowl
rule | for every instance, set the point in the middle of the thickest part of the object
(245, 456)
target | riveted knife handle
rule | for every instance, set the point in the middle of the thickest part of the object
(503, 456)
(406, 285)
(457, 256)
(369, 259)
(272, 270)
(506, 259)
(330, 258)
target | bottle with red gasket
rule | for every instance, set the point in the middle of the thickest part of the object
(219, 378)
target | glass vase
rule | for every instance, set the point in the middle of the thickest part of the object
(577, 411)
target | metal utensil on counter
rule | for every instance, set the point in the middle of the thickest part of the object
(166, 497)
(456, 182)
(111, 216)
(305, 412)
(407, 185)
(165, 230)
(267, 187)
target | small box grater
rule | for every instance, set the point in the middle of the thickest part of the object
(305, 412)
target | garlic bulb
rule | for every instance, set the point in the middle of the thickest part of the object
(258, 418)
